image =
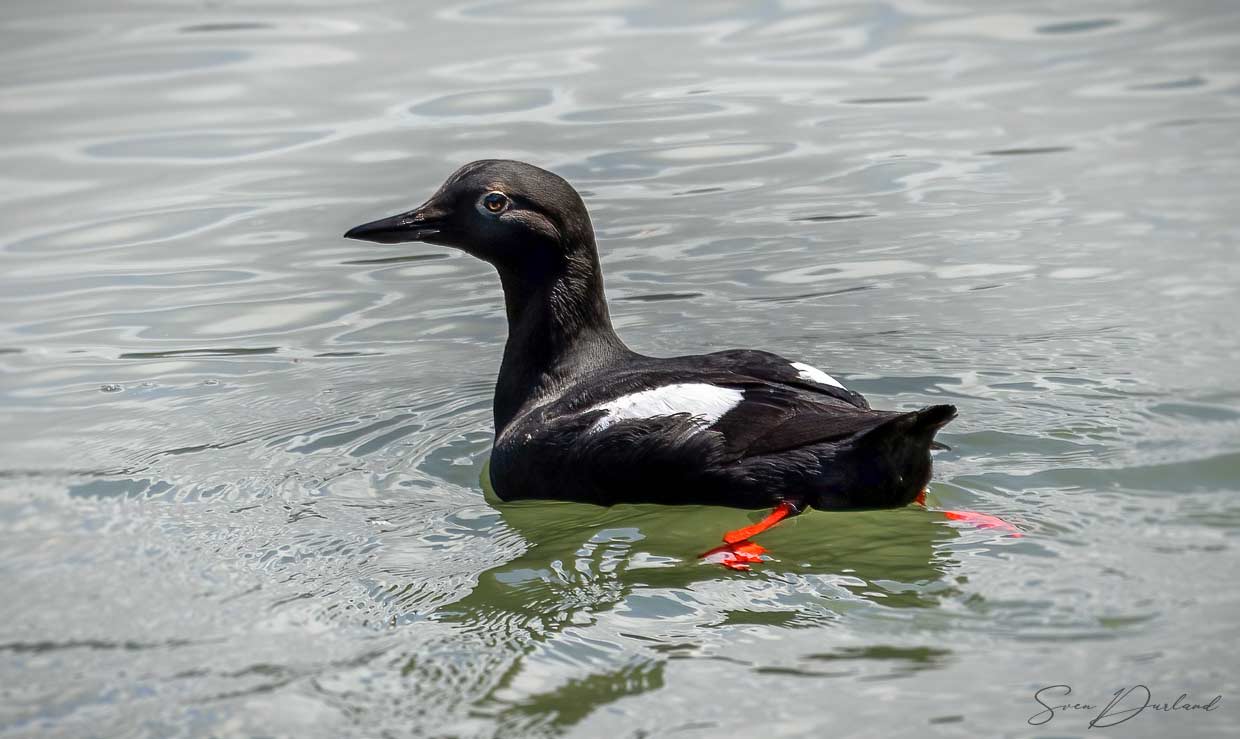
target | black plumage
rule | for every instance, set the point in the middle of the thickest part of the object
(580, 416)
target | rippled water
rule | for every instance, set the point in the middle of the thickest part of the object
(241, 457)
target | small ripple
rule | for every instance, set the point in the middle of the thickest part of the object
(848, 271)
(200, 146)
(484, 102)
(643, 112)
(895, 100)
(303, 25)
(226, 27)
(647, 163)
(1025, 151)
(94, 644)
(958, 271)
(1029, 27)
(1190, 85)
(1207, 474)
(842, 217)
(1079, 273)
(212, 352)
(1178, 84)
(1196, 412)
(119, 488)
(661, 297)
(521, 67)
(908, 659)
(399, 260)
(805, 296)
(130, 64)
(146, 228)
(256, 238)
(1081, 26)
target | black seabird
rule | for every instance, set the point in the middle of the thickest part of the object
(580, 416)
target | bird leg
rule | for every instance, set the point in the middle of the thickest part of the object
(782, 511)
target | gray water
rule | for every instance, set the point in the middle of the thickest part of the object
(241, 457)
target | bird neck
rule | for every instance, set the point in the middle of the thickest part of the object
(558, 330)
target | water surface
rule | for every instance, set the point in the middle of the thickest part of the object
(240, 457)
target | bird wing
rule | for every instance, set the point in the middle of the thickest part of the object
(773, 418)
(778, 370)
(754, 403)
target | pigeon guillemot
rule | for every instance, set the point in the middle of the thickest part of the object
(579, 416)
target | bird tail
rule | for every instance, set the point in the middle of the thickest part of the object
(914, 430)
(896, 453)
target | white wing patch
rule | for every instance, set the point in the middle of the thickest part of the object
(706, 403)
(813, 374)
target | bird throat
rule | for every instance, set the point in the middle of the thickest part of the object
(559, 329)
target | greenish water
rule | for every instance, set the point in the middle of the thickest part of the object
(240, 457)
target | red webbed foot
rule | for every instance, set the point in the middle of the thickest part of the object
(983, 521)
(980, 520)
(738, 552)
(736, 556)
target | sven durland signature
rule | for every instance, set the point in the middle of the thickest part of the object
(1124, 704)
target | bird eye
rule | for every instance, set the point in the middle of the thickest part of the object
(494, 201)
